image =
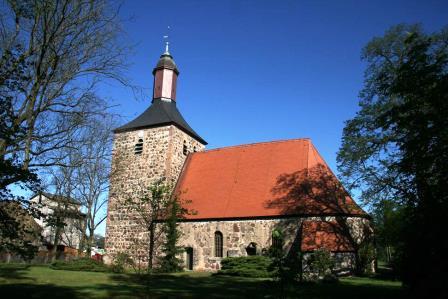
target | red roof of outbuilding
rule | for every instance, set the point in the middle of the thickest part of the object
(321, 234)
(277, 178)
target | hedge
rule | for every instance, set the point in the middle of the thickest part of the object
(247, 266)
(81, 264)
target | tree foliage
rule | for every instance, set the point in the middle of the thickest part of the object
(396, 147)
(149, 207)
(18, 234)
(169, 262)
(388, 217)
(321, 262)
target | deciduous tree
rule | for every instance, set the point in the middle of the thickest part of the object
(396, 147)
(56, 52)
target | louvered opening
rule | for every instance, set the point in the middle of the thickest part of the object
(185, 149)
(138, 148)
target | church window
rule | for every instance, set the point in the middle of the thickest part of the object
(218, 244)
(194, 149)
(138, 148)
(185, 149)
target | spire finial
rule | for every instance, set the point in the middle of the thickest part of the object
(167, 43)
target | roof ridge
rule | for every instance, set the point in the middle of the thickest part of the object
(253, 144)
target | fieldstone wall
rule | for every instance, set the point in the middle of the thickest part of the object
(177, 159)
(132, 174)
(238, 234)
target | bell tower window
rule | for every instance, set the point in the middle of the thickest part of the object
(185, 149)
(138, 148)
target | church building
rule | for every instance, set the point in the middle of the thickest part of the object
(244, 199)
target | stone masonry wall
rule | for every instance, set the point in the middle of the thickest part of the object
(238, 234)
(132, 174)
(177, 158)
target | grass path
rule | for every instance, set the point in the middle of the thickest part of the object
(18, 281)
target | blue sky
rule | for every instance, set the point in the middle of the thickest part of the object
(253, 71)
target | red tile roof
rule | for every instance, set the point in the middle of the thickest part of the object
(321, 234)
(260, 180)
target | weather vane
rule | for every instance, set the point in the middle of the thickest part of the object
(167, 43)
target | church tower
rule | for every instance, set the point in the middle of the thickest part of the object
(154, 145)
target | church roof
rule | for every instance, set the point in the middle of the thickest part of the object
(160, 113)
(271, 179)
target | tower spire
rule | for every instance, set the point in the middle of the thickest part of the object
(165, 75)
(167, 42)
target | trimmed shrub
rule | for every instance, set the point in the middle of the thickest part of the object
(81, 264)
(121, 262)
(246, 266)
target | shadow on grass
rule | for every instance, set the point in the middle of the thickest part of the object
(386, 273)
(346, 289)
(184, 286)
(192, 285)
(39, 291)
(14, 272)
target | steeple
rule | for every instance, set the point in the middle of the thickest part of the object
(165, 77)
(163, 110)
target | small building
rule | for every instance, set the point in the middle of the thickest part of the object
(63, 213)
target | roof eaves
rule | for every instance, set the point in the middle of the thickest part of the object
(279, 216)
(119, 130)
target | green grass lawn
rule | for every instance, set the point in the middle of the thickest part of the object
(19, 281)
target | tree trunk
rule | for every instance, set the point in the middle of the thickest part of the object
(151, 246)
(83, 243)
(387, 254)
(90, 241)
(57, 235)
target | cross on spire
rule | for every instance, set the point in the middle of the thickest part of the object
(167, 43)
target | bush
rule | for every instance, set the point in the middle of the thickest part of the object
(247, 266)
(81, 264)
(286, 269)
(330, 278)
(366, 255)
(121, 262)
(321, 262)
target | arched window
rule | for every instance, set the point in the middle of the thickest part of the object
(218, 244)
(185, 149)
(194, 149)
(138, 148)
